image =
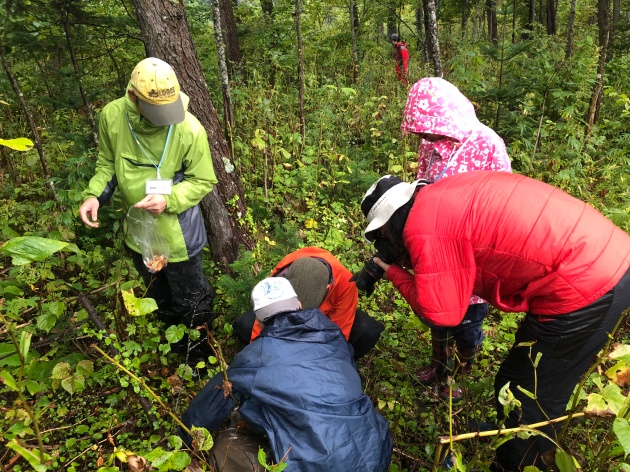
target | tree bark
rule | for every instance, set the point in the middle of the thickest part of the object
(167, 36)
(603, 21)
(267, 7)
(228, 111)
(353, 32)
(298, 31)
(77, 73)
(550, 17)
(570, 27)
(491, 8)
(230, 37)
(37, 140)
(433, 42)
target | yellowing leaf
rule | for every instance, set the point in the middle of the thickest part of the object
(310, 223)
(19, 144)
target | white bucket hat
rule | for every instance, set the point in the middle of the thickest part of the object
(382, 199)
(272, 296)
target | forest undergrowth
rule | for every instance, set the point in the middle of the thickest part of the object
(90, 382)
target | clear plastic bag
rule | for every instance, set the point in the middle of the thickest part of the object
(143, 228)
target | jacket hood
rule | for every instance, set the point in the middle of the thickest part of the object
(435, 106)
(303, 326)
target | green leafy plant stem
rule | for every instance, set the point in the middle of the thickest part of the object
(20, 390)
(144, 386)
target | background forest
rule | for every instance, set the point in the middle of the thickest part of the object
(303, 111)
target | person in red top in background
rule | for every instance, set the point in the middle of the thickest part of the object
(401, 58)
(321, 281)
(525, 246)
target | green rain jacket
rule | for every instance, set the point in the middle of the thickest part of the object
(187, 161)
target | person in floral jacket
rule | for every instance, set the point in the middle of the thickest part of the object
(453, 141)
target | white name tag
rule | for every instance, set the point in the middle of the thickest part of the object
(159, 186)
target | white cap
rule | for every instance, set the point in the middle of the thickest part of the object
(272, 296)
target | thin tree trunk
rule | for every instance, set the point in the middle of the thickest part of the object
(267, 7)
(569, 50)
(550, 17)
(353, 32)
(493, 34)
(7, 162)
(77, 73)
(603, 20)
(233, 54)
(167, 36)
(37, 140)
(433, 42)
(225, 81)
(531, 18)
(298, 31)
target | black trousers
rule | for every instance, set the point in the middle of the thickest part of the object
(363, 335)
(568, 345)
(181, 291)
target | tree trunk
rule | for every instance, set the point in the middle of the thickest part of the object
(433, 42)
(603, 21)
(531, 18)
(420, 32)
(491, 9)
(267, 7)
(353, 32)
(569, 50)
(223, 68)
(77, 74)
(37, 140)
(298, 31)
(167, 36)
(550, 11)
(230, 37)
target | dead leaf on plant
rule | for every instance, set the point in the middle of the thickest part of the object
(227, 388)
(176, 383)
(137, 464)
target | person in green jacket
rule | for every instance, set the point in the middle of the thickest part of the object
(157, 154)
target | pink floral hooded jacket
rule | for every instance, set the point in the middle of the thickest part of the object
(435, 106)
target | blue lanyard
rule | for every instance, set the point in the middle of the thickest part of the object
(135, 137)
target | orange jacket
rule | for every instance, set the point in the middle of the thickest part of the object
(340, 304)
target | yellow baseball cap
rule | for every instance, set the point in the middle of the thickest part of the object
(155, 84)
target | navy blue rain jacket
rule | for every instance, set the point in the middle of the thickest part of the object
(298, 384)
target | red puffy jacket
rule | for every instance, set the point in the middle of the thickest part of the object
(523, 245)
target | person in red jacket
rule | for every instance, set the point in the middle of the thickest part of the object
(525, 246)
(321, 281)
(401, 58)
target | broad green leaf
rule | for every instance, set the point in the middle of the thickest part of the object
(566, 462)
(179, 461)
(138, 306)
(33, 387)
(175, 333)
(18, 429)
(622, 430)
(175, 442)
(46, 321)
(158, 457)
(25, 249)
(85, 367)
(622, 352)
(18, 144)
(202, 439)
(7, 379)
(61, 371)
(32, 456)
